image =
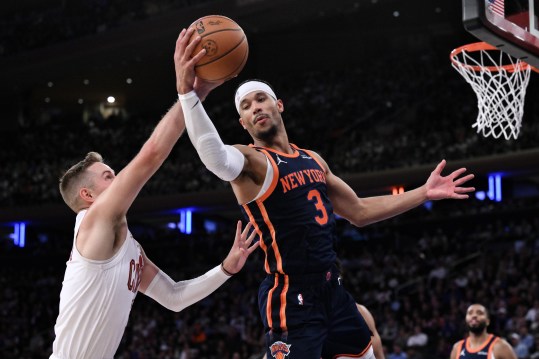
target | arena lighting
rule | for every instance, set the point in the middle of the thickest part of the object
(185, 224)
(397, 190)
(480, 195)
(494, 192)
(111, 99)
(19, 234)
(210, 226)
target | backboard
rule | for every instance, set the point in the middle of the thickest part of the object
(510, 25)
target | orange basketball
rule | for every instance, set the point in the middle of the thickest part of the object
(226, 47)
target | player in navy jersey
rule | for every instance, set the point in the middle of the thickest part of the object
(480, 344)
(290, 196)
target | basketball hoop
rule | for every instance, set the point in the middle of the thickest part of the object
(500, 83)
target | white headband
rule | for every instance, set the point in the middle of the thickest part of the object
(249, 87)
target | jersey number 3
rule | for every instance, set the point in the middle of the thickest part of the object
(322, 217)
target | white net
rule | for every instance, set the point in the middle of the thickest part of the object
(500, 83)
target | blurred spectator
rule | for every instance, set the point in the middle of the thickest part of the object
(532, 316)
(525, 337)
(535, 351)
(389, 330)
(520, 348)
(397, 353)
(418, 339)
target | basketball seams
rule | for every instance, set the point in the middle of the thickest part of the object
(236, 69)
(223, 54)
(220, 30)
(244, 61)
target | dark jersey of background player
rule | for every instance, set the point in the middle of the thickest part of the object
(479, 344)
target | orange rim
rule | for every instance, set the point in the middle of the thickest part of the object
(483, 46)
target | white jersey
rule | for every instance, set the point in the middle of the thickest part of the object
(95, 301)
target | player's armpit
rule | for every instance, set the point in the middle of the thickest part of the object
(149, 272)
(249, 183)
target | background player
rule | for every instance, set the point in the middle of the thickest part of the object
(107, 266)
(290, 194)
(377, 346)
(479, 343)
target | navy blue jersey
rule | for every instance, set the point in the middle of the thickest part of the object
(305, 309)
(482, 352)
(294, 218)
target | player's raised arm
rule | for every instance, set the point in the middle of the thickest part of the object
(108, 203)
(153, 153)
(230, 163)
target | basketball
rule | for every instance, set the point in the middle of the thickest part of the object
(226, 47)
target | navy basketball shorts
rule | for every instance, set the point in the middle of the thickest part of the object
(311, 317)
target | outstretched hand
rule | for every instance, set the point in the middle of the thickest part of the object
(440, 187)
(184, 65)
(241, 249)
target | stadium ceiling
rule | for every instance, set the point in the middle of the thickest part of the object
(282, 34)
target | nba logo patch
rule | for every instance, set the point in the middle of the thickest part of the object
(300, 299)
(279, 349)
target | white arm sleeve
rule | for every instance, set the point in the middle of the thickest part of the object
(223, 160)
(179, 295)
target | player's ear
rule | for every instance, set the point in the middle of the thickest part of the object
(280, 106)
(86, 194)
(242, 124)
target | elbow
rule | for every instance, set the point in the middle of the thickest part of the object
(356, 222)
(360, 216)
(176, 307)
(361, 220)
(359, 223)
(226, 162)
(214, 163)
(212, 153)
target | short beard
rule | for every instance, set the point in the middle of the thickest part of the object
(480, 328)
(268, 135)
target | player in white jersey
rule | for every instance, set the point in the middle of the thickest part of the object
(107, 267)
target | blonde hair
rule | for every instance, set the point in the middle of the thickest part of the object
(75, 178)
